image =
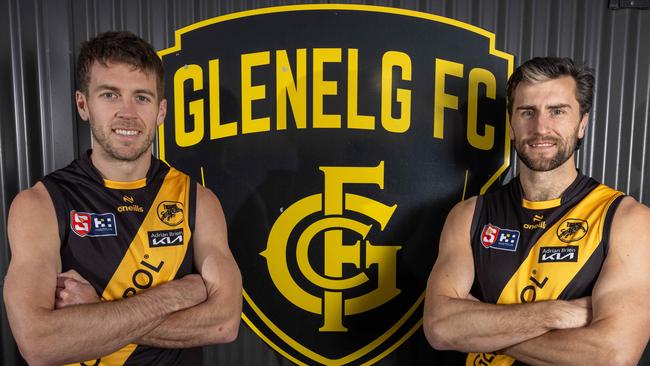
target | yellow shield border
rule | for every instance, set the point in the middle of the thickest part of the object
(506, 163)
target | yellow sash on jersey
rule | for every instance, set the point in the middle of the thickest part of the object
(535, 281)
(144, 267)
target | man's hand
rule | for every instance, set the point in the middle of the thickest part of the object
(575, 314)
(39, 298)
(193, 288)
(455, 320)
(215, 320)
(72, 289)
(619, 329)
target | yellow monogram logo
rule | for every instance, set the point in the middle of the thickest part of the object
(332, 303)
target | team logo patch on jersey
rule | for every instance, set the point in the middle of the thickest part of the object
(497, 238)
(165, 238)
(170, 212)
(93, 224)
(558, 254)
(572, 230)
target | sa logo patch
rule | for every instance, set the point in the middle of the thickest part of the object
(93, 224)
(336, 153)
(497, 238)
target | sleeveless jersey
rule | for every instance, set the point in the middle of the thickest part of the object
(125, 237)
(527, 251)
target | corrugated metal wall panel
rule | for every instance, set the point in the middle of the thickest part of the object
(5, 123)
(39, 41)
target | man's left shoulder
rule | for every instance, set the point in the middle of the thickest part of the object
(631, 225)
(631, 209)
(205, 193)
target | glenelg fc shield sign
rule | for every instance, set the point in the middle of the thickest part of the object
(337, 139)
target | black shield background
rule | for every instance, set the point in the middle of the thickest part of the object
(257, 176)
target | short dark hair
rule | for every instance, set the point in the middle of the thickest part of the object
(122, 47)
(541, 69)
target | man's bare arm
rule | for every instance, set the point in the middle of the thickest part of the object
(49, 336)
(620, 328)
(217, 319)
(453, 319)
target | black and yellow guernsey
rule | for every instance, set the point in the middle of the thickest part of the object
(125, 237)
(527, 251)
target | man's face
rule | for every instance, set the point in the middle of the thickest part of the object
(545, 124)
(123, 110)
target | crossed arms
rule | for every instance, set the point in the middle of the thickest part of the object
(611, 327)
(55, 319)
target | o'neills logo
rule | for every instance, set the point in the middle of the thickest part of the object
(130, 208)
(337, 152)
(538, 223)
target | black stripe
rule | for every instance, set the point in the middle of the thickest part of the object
(609, 217)
(476, 216)
(61, 209)
(192, 201)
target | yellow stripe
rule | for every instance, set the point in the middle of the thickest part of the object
(492, 359)
(591, 209)
(555, 277)
(116, 358)
(541, 205)
(166, 259)
(465, 185)
(140, 183)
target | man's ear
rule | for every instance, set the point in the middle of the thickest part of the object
(583, 125)
(512, 134)
(162, 112)
(82, 105)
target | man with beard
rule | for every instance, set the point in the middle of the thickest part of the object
(119, 258)
(551, 268)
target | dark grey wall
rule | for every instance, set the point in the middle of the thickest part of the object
(39, 130)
